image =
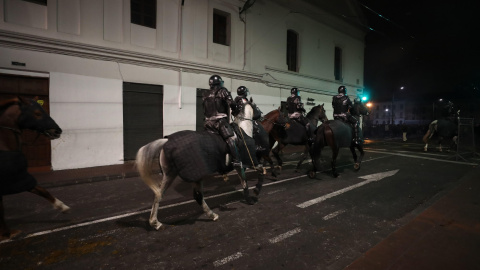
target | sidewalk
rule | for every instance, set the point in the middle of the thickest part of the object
(444, 236)
(85, 175)
(104, 173)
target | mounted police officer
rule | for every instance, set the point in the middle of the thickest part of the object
(241, 99)
(295, 112)
(341, 110)
(217, 103)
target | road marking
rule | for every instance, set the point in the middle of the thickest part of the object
(369, 178)
(284, 236)
(148, 210)
(227, 259)
(429, 158)
(334, 214)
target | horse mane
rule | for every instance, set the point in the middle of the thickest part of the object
(311, 111)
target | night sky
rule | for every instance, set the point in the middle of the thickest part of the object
(431, 48)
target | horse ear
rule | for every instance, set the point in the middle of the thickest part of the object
(251, 99)
(323, 104)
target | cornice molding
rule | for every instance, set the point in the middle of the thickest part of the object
(48, 45)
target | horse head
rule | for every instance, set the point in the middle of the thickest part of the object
(34, 117)
(359, 108)
(318, 113)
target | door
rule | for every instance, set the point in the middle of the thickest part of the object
(36, 147)
(142, 116)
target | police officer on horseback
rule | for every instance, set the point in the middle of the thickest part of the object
(217, 103)
(341, 110)
(241, 99)
(295, 112)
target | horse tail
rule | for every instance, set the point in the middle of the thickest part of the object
(144, 161)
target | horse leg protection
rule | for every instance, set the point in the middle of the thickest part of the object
(198, 196)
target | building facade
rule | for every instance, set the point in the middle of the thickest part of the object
(116, 74)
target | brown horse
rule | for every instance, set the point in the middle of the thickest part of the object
(17, 114)
(286, 132)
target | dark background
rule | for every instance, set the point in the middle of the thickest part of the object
(431, 48)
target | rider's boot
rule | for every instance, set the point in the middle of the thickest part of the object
(236, 161)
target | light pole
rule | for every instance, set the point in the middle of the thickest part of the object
(393, 104)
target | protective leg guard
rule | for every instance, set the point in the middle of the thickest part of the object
(237, 163)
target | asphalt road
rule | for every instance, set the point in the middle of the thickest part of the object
(298, 222)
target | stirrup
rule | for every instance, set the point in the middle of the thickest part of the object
(237, 164)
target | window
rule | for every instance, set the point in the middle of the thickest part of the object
(39, 2)
(338, 64)
(292, 50)
(144, 12)
(221, 27)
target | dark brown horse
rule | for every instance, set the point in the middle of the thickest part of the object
(17, 114)
(286, 132)
(338, 134)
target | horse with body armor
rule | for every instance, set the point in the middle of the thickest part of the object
(193, 156)
(17, 114)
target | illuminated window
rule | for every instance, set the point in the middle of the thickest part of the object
(144, 12)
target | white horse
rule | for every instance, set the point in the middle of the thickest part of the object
(176, 155)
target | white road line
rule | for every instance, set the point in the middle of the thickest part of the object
(370, 178)
(284, 236)
(428, 158)
(148, 210)
(227, 259)
(334, 214)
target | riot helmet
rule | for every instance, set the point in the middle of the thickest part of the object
(294, 91)
(342, 89)
(242, 91)
(215, 80)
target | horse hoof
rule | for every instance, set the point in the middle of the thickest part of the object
(356, 166)
(252, 200)
(256, 191)
(11, 235)
(335, 175)
(311, 174)
(214, 217)
(156, 225)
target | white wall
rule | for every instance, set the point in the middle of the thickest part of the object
(89, 48)
(90, 112)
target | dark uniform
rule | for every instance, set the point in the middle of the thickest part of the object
(217, 103)
(241, 99)
(341, 105)
(295, 112)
